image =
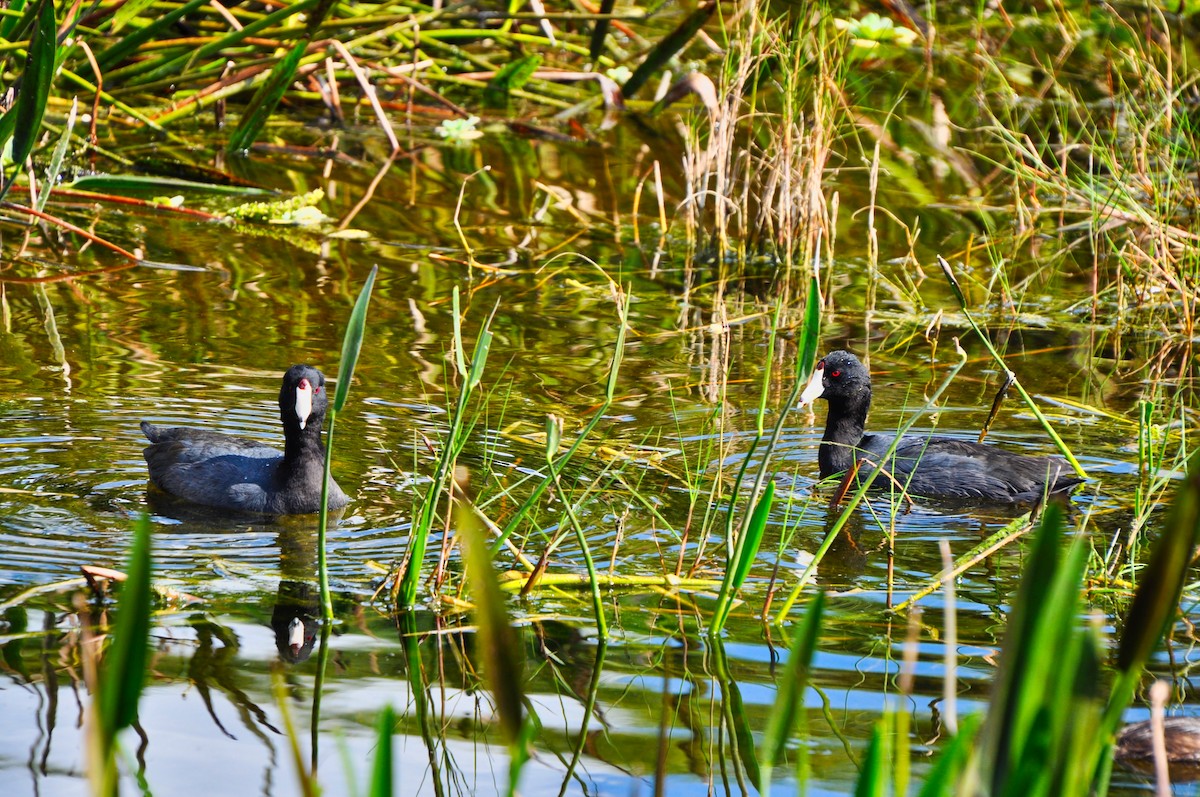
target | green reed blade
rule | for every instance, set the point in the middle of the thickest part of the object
(57, 158)
(944, 777)
(352, 342)
(788, 709)
(381, 774)
(23, 122)
(124, 671)
(405, 591)
(266, 99)
(745, 552)
(1160, 584)
(351, 345)
(671, 44)
(126, 12)
(872, 775)
(124, 184)
(498, 641)
(810, 331)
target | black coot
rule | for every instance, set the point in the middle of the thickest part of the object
(228, 472)
(934, 467)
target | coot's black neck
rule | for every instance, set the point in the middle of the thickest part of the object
(302, 449)
(843, 430)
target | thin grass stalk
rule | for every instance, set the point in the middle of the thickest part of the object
(589, 708)
(405, 590)
(314, 731)
(737, 546)
(956, 289)
(557, 466)
(381, 773)
(351, 345)
(279, 688)
(498, 640)
(865, 485)
(788, 711)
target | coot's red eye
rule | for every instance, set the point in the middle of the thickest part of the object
(835, 373)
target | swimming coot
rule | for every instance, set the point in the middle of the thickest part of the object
(228, 472)
(934, 467)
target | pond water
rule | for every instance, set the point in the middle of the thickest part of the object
(202, 339)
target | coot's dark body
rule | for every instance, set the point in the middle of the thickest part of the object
(234, 473)
(1181, 735)
(934, 467)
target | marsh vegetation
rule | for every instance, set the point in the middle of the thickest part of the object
(578, 261)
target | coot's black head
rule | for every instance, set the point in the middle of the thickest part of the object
(839, 378)
(302, 398)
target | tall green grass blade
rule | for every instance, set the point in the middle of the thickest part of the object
(23, 122)
(381, 774)
(944, 777)
(351, 345)
(352, 342)
(314, 738)
(666, 49)
(125, 662)
(1036, 697)
(502, 653)
(1160, 585)
(810, 331)
(123, 672)
(872, 775)
(149, 184)
(266, 99)
(57, 158)
(418, 687)
(745, 552)
(406, 586)
(788, 709)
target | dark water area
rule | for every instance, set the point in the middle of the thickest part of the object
(203, 341)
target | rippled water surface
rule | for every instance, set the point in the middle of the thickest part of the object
(84, 359)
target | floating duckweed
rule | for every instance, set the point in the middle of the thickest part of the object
(298, 210)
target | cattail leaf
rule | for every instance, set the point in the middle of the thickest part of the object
(124, 671)
(352, 343)
(810, 330)
(381, 773)
(789, 700)
(1161, 581)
